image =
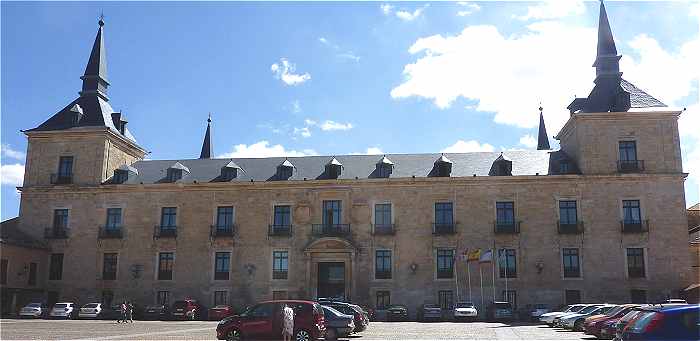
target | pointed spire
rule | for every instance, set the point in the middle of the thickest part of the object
(95, 77)
(607, 61)
(542, 139)
(206, 145)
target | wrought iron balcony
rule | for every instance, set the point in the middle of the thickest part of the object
(439, 229)
(503, 227)
(164, 231)
(445, 273)
(279, 274)
(634, 226)
(110, 232)
(384, 229)
(56, 233)
(279, 230)
(637, 272)
(630, 166)
(382, 274)
(570, 228)
(221, 275)
(216, 231)
(330, 230)
(61, 179)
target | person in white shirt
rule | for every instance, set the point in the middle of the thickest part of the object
(287, 323)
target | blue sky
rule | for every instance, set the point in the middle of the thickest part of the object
(338, 78)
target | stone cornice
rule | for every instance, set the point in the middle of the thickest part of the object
(614, 116)
(81, 132)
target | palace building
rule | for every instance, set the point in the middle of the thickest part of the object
(603, 219)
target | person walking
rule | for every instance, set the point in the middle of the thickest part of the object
(130, 311)
(122, 312)
(287, 323)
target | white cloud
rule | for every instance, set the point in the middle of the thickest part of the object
(528, 141)
(7, 151)
(332, 125)
(12, 175)
(309, 122)
(284, 71)
(349, 55)
(304, 131)
(342, 55)
(462, 146)
(410, 16)
(386, 8)
(369, 151)
(263, 149)
(296, 106)
(551, 9)
(467, 8)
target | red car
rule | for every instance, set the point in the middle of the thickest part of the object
(187, 310)
(593, 326)
(220, 312)
(264, 321)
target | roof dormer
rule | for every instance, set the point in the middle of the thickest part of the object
(176, 172)
(77, 112)
(502, 166)
(230, 171)
(442, 166)
(285, 170)
(333, 169)
(384, 167)
(123, 173)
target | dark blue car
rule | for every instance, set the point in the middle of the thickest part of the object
(665, 323)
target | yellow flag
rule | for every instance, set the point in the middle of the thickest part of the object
(474, 255)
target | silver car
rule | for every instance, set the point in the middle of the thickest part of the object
(33, 310)
(90, 311)
(63, 310)
(465, 310)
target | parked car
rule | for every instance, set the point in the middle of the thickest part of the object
(548, 318)
(397, 312)
(501, 311)
(63, 310)
(220, 312)
(665, 323)
(594, 325)
(156, 312)
(622, 322)
(90, 311)
(429, 312)
(575, 322)
(607, 329)
(187, 310)
(360, 317)
(264, 321)
(587, 309)
(538, 310)
(34, 310)
(465, 311)
(337, 324)
(371, 313)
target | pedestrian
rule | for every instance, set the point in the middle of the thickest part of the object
(287, 323)
(122, 311)
(130, 310)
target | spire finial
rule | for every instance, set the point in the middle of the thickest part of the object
(542, 138)
(207, 149)
(101, 22)
(209, 119)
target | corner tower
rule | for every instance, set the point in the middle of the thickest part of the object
(85, 141)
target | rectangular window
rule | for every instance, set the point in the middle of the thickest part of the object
(505, 213)
(332, 212)
(507, 263)
(165, 266)
(282, 216)
(628, 150)
(168, 218)
(445, 299)
(572, 297)
(572, 268)
(280, 264)
(632, 212)
(220, 298)
(510, 297)
(224, 218)
(445, 263)
(32, 274)
(638, 296)
(56, 267)
(567, 212)
(163, 298)
(109, 267)
(383, 299)
(222, 265)
(65, 166)
(3, 272)
(60, 219)
(443, 214)
(382, 214)
(635, 263)
(114, 218)
(382, 269)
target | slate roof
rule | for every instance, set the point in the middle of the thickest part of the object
(639, 98)
(528, 162)
(12, 235)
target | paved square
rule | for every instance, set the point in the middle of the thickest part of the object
(197, 330)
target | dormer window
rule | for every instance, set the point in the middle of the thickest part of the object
(285, 170)
(230, 171)
(119, 121)
(564, 167)
(122, 174)
(443, 166)
(176, 172)
(333, 169)
(77, 113)
(502, 166)
(384, 167)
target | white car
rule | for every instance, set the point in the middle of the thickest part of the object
(538, 311)
(575, 321)
(90, 310)
(559, 320)
(548, 318)
(465, 310)
(34, 310)
(63, 310)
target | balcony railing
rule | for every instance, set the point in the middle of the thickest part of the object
(384, 229)
(635, 272)
(569, 228)
(222, 231)
(630, 166)
(445, 273)
(439, 229)
(382, 274)
(511, 227)
(61, 179)
(164, 231)
(111, 232)
(221, 275)
(279, 230)
(279, 274)
(56, 233)
(634, 226)
(330, 230)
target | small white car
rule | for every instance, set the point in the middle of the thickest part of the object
(548, 318)
(465, 310)
(538, 311)
(33, 310)
(63, 310)
(575, 321)
(90, 311)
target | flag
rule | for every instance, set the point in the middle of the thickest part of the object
(486, 257)
(473, 255)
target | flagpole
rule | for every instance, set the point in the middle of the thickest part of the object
(481, 284)
(469, 281)
(454, 264)
(506, 273)
(493, 270)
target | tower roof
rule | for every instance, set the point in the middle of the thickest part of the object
(95, 76)
(606, 43)
(542, 137)
(206, 145)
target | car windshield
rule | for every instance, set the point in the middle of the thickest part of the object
(154, 307)
(221, 306)
(501, 305)
(629, 316)
(641, 321)
(90, 305)
(332, 311)
(614, 310)
(540, 306)
(577, 308)
(589, 309)
(60, 305)
(604, 310)
(464, 305)
(34, 305)
(397, 306)
(431, 306)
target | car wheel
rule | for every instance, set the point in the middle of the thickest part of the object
(331, 334)
(233, 335)
(302, 335)
(578, 325)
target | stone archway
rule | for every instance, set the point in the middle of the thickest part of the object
(334, 253)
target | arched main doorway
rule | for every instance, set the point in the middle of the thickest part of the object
(330, 265)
